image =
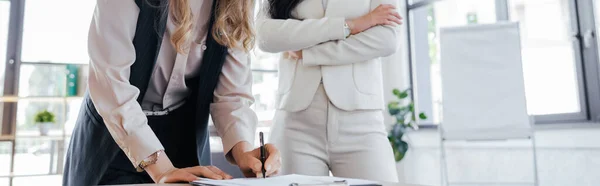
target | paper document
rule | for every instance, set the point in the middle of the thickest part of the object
(286, 180)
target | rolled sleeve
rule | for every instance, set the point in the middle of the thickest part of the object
(112, 53)
(234, 120)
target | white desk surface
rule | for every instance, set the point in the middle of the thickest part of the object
(385, 184)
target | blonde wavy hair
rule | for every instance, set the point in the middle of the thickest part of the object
(233, 24)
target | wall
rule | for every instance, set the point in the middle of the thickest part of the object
(567, 156)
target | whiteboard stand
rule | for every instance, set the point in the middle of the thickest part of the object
(444, 168)
(533, 147)
(483, 88)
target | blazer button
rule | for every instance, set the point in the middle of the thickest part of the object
(204, 47)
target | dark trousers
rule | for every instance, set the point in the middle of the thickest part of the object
(94, 158)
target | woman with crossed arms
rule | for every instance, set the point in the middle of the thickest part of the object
(330, 95)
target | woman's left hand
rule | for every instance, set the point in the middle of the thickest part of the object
(295, 55)
(249, 162)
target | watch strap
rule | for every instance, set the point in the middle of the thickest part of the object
(347, 31)
(150, 160)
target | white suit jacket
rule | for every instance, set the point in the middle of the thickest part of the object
(349, 67)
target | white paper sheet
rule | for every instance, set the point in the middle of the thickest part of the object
(281, 181)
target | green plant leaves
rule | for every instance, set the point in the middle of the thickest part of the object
(402, 149)
(405, 118)
(422, 116)
(412, 124)
(393, 108)
(44, 117)
(398, 131)
(396, 92)
(393, 111)
(399, 147)
(401, 94)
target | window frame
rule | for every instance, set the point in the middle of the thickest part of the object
(590, 55)
(586, 60)
(13, 58)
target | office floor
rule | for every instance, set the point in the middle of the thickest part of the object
(565, 157)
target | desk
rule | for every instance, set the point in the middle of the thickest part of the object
(385, 184)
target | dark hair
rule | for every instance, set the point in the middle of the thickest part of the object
(282, 9)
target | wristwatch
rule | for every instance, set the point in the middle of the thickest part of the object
(150, 160)
(347, 30)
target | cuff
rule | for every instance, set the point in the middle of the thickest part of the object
(233, 136)
(141, 144)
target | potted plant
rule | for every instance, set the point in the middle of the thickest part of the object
(44, 121)
(406, 120)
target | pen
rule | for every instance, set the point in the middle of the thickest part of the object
(262, 154)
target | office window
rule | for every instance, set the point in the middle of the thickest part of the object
(38, 156)
(551, 52)
(5, 152)
(549, 59)
(264, 90)
(4, 26)
(53, 87)
(4, 21)
(26, 111)
(56, 31)
(52, 76)
(28, 181)
(597, 17)
(426, 23)
(42, 80)
(71, 108)
(4, 182)
(264, 87)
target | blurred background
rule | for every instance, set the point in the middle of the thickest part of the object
(44, 62)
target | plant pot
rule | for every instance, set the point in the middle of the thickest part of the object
(44, 128)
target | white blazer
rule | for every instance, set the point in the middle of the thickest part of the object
(349, 67)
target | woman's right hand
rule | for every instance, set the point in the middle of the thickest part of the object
(384, 14)
(190, 174)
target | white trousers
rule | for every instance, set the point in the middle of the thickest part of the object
(324, 138)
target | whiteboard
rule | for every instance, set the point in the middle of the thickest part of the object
(483, 89)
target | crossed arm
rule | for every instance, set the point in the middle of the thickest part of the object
(322, 42)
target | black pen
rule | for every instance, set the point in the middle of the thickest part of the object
(262, 154)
